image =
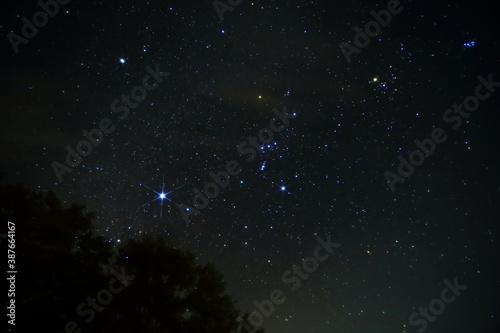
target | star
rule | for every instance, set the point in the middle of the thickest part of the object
(161, 195)
(472, 43)
(122, 60)
(282, 187)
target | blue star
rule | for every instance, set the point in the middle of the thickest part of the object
(469, 44)
(282, 187)
(161, 195)
(122, 60)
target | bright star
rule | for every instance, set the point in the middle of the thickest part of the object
(282, 187)
(122, 60)
(469, 44)
(161, 195)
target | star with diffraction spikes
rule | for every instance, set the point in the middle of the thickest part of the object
(162, 195)
(283, 188)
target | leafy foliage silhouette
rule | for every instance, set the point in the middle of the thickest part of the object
(61, 263)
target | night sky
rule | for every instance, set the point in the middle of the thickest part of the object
(344, 122)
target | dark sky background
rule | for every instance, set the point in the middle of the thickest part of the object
(323, 175)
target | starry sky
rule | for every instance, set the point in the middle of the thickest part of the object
(347, 122)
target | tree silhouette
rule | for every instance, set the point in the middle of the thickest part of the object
(171, 292)
(58, 260)
(63, 267)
